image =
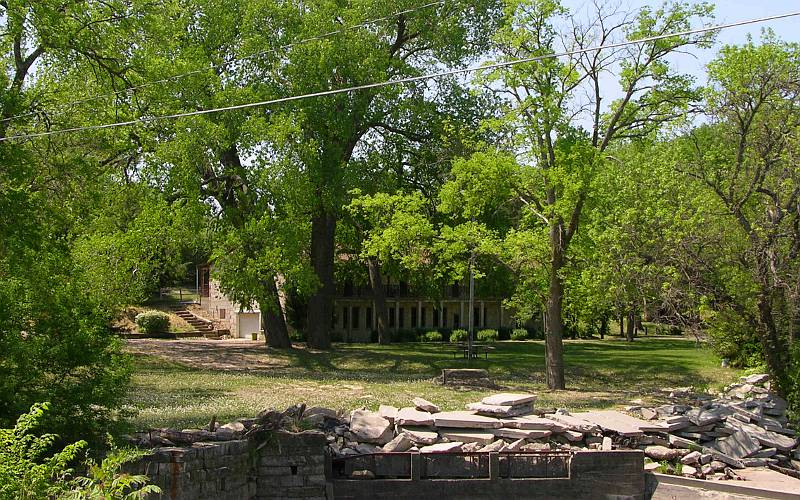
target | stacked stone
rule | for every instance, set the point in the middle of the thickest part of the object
(744, 426)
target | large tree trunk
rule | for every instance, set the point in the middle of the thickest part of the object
(603, 326)
(320, 305)
(379, 294)
(273, 321)
(631, 330)
(554, 345)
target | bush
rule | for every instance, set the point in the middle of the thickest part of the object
(459, 335)
(404, 336)
(488, 335)
(300, 336)
(519, 334)
(152, 322)
(433, 336)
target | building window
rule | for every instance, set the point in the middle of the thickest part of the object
(422, 317)
(413, 317)
(456, 320)
(455, 291)
(402, 318)
(435, 317)
(356, 314)
(334, 318)
(391, 317)
(444, 317)
(369, 318)
(476, 316)
(345, 316)
(222, 314)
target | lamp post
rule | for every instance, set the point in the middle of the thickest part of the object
(471, 311)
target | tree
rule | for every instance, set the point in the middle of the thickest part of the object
(746, 159)
(545, 103)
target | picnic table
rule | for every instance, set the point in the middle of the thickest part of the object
(477, 349)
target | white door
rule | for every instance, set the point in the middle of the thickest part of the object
(249, 322)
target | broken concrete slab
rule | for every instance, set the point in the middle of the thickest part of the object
(574, 423)
(500, 411)
(369, 427)
(618, 422)
(388, 412)
(419, 435)
(401, 442)
(466, 436)
(465, 419)
(572, 436)
(533, 423)
(442, 447)
(521, 433)
(649, 414)
(412, 416)
(607, 444)
(738, 445)
(509, 399)
(425, 405)
(660, 453)
(766, 438)
(498, 445)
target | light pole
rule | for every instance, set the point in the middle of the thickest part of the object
(471, 311)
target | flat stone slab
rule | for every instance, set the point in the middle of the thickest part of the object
(738, 445)
(521, 433)
(370, 427)
(703, 417)
(466, 420)
(441, 447)
(419, 435)
(509, 399)
(501, 411)
(766, 438)
(622, 424)
(466, 436)
(425, 405)
(412, 416)
(388, 412)
(574, 423)
(401, 442)
(533, 423)
(573, 435)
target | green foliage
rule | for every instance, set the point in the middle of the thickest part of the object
(433, 336)
(459, 335)
(519, 334)
(488, 335)
(28, 468)
(107, 481)
(298, 335)
(152, 321)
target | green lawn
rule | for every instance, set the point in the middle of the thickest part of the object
(600, 374)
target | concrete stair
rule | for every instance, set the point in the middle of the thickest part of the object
(202, 326)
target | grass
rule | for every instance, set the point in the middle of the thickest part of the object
(600, 374)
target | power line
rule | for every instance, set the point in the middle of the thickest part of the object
(399, 81)
(130, 90)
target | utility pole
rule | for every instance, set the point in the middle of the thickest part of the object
(471, 311)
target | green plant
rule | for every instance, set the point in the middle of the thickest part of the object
(106, 480)
(433, 336)
(458, 335)
(26, 472)
(519, 334)
(488, 335)
(152, 322)
(298, 336)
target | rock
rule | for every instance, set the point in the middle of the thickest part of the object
(651, 466)
(573, 435)
(370, 427)
(607, 444)
(688, 471)
(465, 419)
(319, 410)
(506, 399)
(574, 423)
(500, 411)
(362, 474)
(622, 424)
(706, 458)
(660, 453)
(521, 433)
(533, 423)
(412, 416)
(706, 470)
(756, 379)
(495, 446)
(754, 462)
(691, 458)
(483, 438)
(419, 435)
(703, 417)
(516, 445)
(536, 447)
(442, 447)
(366, 449)
(425, 405)
(648, 414)
(679, 442)
(765, 437)
(388, 412)
(233, 426)
(348, 451)
(718, 465)
(764, 453)
(401, 442)
(471, 447)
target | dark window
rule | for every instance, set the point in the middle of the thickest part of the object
(435, 317)
(422, 317)
(456, 320)
(402, 319)
(455, 290)
(356, 314)
(369, 317)
(391, 317)
(348, 289)
(222, 314)
(403, 289)
(345, 316)
(444, 317)
(413, 317)
(334, 319)
(476, 316)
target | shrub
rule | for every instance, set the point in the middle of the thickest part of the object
(519, 334)
(458, 335)
(300, 336)
(404, 336)
(433, 336)
(105, 480)
(488, 335)
(152, 322)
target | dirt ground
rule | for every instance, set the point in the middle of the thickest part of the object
(232, 355)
